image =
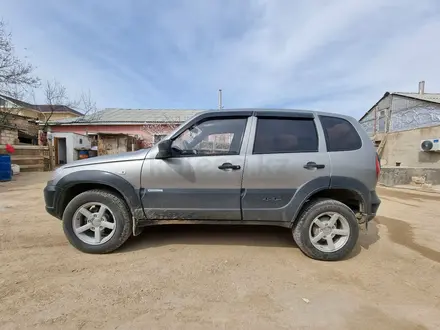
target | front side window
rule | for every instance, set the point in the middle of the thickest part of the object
(211, 137)
(285, 135)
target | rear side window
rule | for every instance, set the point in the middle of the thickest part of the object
(340, 135)
(285, 135)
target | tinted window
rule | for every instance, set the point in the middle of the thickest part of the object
(340, 135)
(286, 135)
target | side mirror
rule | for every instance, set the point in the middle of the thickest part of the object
(164, 147)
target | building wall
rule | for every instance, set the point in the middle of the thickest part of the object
(112, 145)
(145, 133)
(375, 121)
(404, 147)
(409, 114)
(23, 123)
(396, 113)
(60, 115)
(30, 113)
(36, 115)
(73, 141)
(8, 135)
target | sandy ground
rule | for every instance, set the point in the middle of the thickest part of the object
(215, 277)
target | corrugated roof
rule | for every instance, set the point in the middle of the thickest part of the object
(133, 116)
(429, 97)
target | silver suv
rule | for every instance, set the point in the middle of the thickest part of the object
(312, 172)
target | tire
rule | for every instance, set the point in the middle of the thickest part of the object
(307, 229)
(116, 215)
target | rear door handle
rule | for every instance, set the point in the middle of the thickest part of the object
(229, 166)
(312, 165)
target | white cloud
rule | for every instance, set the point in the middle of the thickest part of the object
(338, 55)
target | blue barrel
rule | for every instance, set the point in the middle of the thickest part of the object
(83, 154)
(5, 168)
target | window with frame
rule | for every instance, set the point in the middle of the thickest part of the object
(211, 138)
(340, 135)
(285, 135)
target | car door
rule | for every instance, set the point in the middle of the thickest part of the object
(286, 162)
(202, 179)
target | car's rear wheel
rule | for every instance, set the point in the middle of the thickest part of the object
(97, 221)
(326, 230)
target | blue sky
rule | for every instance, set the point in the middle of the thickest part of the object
(332, 55)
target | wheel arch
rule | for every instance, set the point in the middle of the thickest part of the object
(348, 191)
(78, 182)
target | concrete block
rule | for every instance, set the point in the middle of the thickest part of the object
(418, 179)
(416, 176)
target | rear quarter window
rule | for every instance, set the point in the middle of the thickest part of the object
(340, 135)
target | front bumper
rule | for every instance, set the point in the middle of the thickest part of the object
(50, 196)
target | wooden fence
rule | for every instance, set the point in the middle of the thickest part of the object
(30, 158)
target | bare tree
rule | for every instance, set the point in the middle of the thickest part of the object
(87, 106)
(16, 75)
(56, 99)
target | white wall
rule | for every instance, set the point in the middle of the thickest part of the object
(73, 141)
(404, 148)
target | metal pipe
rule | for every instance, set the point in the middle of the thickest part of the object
(220, 99)
(422, 87)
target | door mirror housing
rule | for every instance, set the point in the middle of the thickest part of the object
(164, 147)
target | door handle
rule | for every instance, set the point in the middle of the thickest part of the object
(312, 165)
(229, 166)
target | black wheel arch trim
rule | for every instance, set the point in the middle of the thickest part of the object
(125, 188)
(342, 182)
(305, 192)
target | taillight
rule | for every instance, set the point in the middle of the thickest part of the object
(377, 166)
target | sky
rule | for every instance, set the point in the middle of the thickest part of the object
(329, 55)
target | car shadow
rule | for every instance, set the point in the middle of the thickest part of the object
(155, 236)
(367, 237)
(259, 236)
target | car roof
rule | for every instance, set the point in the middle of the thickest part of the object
(279, 112)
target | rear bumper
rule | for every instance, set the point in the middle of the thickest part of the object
(373, 206)
(50, 195)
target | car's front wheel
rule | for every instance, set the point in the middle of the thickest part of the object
(326, 230)
(97, 221)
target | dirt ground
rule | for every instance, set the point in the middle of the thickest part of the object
(176, 277)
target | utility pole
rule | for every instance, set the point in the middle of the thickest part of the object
(220, 99)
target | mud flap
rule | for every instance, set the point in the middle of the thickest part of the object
(136, 230)
(362, 218)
